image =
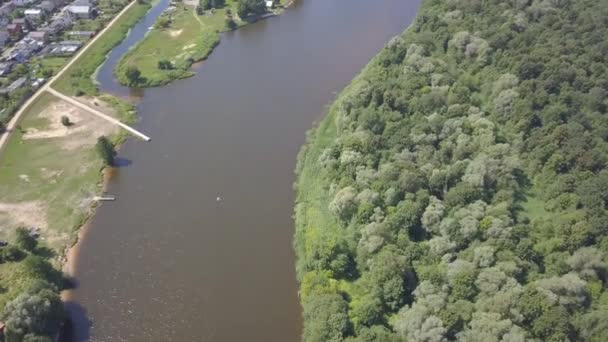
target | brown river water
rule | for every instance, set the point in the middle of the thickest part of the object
(167, 261)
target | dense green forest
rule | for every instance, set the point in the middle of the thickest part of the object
(29, 290)
(457, 189)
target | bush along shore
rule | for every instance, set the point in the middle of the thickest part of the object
(184, 34)
(457, 189)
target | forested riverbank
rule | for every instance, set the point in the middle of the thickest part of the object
(457, 188)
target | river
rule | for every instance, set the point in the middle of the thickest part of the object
(167, 261)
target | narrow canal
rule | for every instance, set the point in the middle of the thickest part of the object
(167, 261)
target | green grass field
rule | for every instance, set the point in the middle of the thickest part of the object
(189, 38)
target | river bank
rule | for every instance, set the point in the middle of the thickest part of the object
(50, 171)
(187, 36)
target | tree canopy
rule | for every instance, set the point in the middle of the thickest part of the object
(458, 189)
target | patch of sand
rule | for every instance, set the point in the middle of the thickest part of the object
(26, 214)
(175, 33)
(189, 46)
(83, 132)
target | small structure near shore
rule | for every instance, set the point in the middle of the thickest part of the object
(104, 198)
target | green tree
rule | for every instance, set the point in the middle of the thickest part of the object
(165, 64)
(25, 240)
(231, 24)
(133, 75)
(327, 318)
(246, 8)
(33, 316)
(65, 121)
(205, 4)
(105, 150)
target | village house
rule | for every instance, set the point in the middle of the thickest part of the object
(39, 36)
(34, 15)
(15, 31)
(65, 48)
(57, 25)
(80, 34)
(6, 68)
(21, 21)
(82, 12)
(17, 84)
(24, 49)
(23, 3)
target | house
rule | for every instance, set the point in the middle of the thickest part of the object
(269, 4)
(65, 48)
(17, 84)
(15, 31)
(6, 68)
(21, 21)
(89, 3)
(57, 25)
(82, 12)
(4, 37)
(48, 6)
(24, 49)
(34, 15)
(81, 34)
(37, 82)
(39, 36)
(23, 3)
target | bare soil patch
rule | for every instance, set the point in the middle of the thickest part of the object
(27, 214)
(85, 127)
(175, 33)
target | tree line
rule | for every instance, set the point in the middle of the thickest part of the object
(457, 190)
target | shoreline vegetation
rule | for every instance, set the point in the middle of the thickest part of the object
(457, 188)
(186, 33)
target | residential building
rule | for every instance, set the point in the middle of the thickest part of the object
(6, 68)
(82, 12)
(39, 36)
(57, 25)
(21, 21)
(84, 3)
(64, 48)
(15, 31)
(81, 34)
(34, 15)
(23, 3)
(17, 84)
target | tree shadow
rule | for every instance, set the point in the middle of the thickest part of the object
(45, 252)
(77, 327)
(122, 162)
